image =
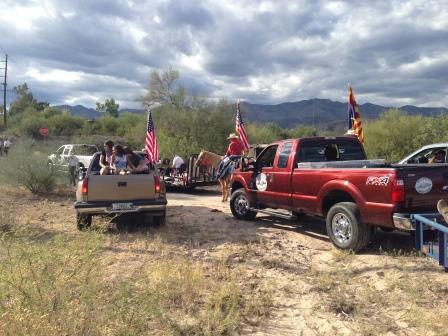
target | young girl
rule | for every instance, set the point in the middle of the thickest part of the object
(106, 158)
(118, 162)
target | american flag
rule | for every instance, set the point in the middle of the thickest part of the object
(354, 116)
(152, 151)
(239, 127)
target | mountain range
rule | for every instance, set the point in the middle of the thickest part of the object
(323, 113)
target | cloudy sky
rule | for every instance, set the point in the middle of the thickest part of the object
(79, 52)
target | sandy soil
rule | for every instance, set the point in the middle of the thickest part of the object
(317, 289)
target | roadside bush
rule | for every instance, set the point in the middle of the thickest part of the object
(28, 168)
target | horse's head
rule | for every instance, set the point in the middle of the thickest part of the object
(200, 159)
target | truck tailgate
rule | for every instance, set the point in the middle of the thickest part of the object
(424, 186)
(121, 187)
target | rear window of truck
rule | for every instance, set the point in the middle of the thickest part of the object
(330, 150)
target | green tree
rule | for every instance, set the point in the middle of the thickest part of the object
(24, 98)
(163, 90)
(396, 134)
(109, 107)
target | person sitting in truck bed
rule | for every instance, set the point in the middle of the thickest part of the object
(135, 164)
(119, 160)
(106, 157)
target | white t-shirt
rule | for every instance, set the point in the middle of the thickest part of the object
(177, 162)
(7, 143)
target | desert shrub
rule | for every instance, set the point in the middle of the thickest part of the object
(396, 134)
(27, 166)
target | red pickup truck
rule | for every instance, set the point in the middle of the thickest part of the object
(331, 177)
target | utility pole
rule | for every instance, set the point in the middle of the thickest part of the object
(4, 89)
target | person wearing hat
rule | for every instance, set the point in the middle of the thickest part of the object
(236, 147)
(234, 152)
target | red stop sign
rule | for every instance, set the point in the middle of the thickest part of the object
(43, 131)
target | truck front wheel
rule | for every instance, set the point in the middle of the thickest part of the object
(239, 205)
(345, 228)
(83, 222)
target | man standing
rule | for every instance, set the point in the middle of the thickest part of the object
(72, 165)
(6, 146)
(177, 162)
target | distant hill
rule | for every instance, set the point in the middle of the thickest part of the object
(325, 113)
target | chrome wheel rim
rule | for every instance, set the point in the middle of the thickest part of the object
(241, 205)
(341, 227)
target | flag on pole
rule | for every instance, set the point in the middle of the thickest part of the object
(354, 116)
(239, 127)
(152, 151)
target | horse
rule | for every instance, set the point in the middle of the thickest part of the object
(215, 160)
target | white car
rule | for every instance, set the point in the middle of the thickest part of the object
(425, 153)
(83, 152)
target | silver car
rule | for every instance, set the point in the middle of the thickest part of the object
(425, 154)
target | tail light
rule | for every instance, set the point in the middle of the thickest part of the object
(157, 184)
(398, 191)
(85, 186)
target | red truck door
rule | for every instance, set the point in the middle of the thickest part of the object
(264, 177)
(281, 175)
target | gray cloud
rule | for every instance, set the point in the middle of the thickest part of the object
(265, 52)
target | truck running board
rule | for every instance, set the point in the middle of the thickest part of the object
(279, 214)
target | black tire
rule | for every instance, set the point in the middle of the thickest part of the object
(159, 220)
(83, 222)
(345, 228)
(239, 205)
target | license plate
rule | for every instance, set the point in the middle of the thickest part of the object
(121, 206)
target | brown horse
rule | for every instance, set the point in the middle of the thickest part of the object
(215, 160)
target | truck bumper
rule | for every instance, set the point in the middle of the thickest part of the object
(98, 208)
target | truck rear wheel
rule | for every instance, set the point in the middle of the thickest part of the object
(83, 222)
(345, 228)
(159, 220)
(239, 205)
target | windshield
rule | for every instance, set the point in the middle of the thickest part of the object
(84, 150)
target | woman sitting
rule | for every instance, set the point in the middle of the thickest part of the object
(119, 160)
(106, 157)
(135, 163)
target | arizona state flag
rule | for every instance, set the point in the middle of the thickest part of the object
(354, 116)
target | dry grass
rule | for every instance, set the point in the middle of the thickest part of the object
(396, 299)
(60, 284)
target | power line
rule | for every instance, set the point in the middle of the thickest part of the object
(4, 90)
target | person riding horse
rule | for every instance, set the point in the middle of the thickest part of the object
(234, 152)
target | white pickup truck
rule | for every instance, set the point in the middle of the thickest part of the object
(83, 152)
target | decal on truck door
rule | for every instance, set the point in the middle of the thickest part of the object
(423, 185)
(261, 182)
(382, 181)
